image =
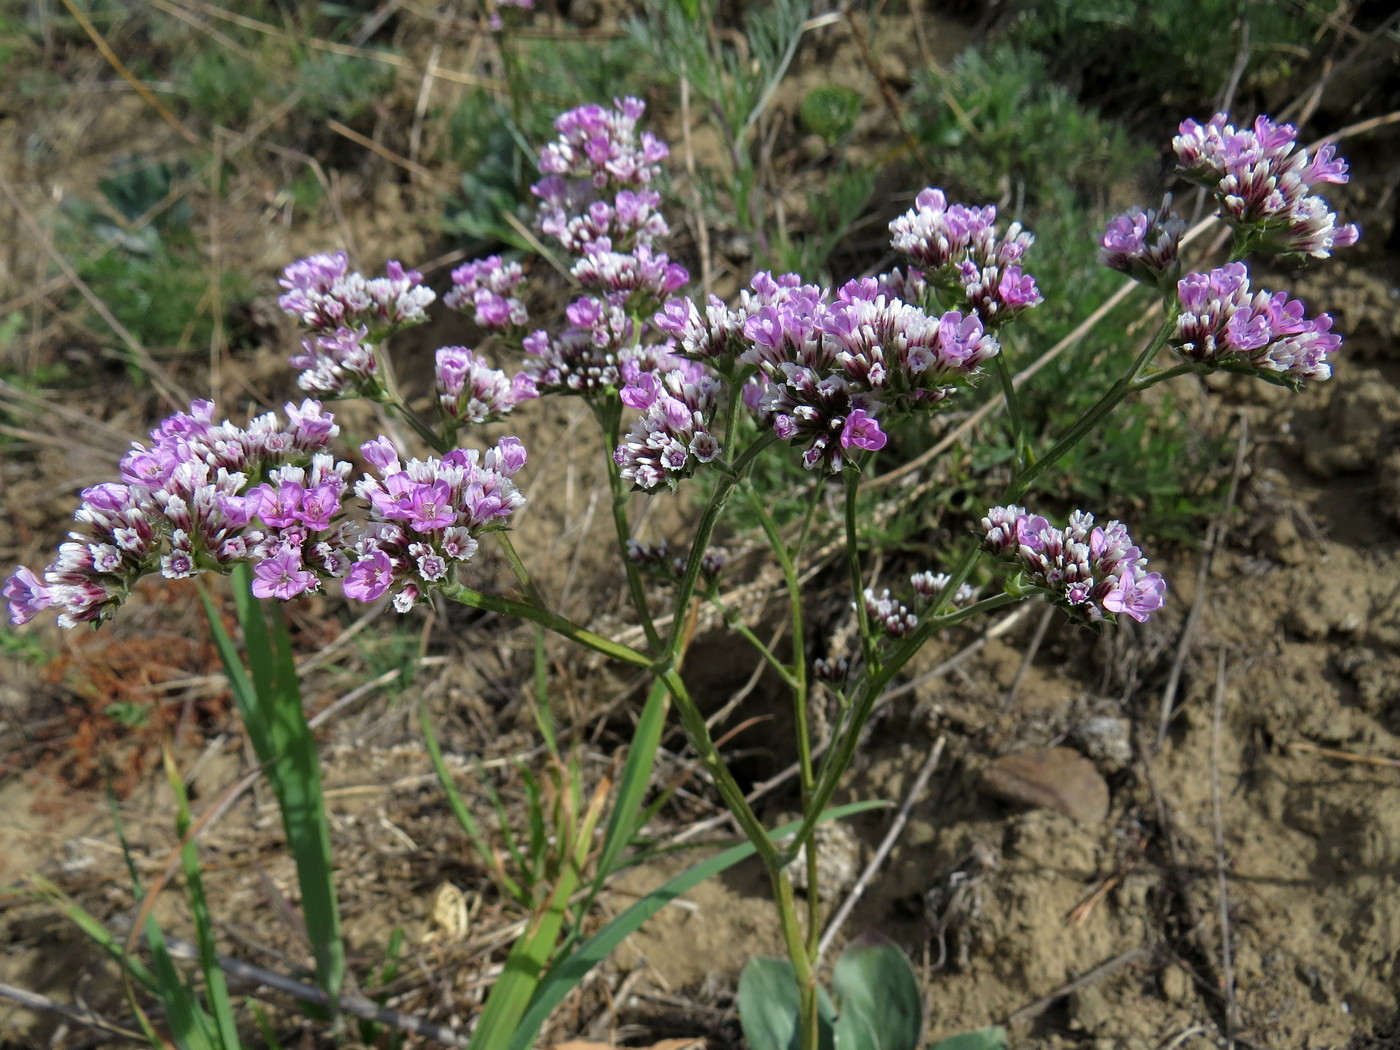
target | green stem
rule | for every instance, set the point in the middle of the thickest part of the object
(867, 640)
(733, 621)
(1106, 404)
(549, 621)
(800, 697)
(724, 485)
(1013, 409)
(609, 417)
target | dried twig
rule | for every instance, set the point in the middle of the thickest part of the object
(1213, 537)
(1227, 968)
(833, 927)
(1110, 966)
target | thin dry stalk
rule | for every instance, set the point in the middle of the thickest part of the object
(1104, 969)
(1213, 537)
(1227, 968)
(833, 927)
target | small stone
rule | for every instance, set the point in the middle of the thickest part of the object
(1105, 739)
(838, 861)
(1176, 985)
(1056, 778)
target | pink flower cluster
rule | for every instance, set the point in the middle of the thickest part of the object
(205, 496)
(596, 200)
(324, 294)
(830, 366)
(963, 252)
(672, 437)
(471, 391)
(1263, 182)
(343, 311)
(425, 515)
(489, 286)
(182, 506)
(1143, 243)
(661, 559)
(888, 615)
(1094, 572)
(1224, 322)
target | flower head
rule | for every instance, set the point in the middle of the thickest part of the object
(1094, 572)
(1263, 182)
(1224, 322)
(1142, 243)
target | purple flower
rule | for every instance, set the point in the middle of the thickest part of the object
(944, 239)
(282, 576)
(863, 431)
(471, 391)
(1093, 572)
(338, 363)
(1223, 322)
(27, 595)
(1263, 183)
(429, 507)
(325, 296)
(489, 286)
(1142, 243)
(887, 615)
(370, 578)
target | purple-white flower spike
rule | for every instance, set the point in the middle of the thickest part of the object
(324, 295)
(471, 391)
(1225, 323)
(425, 517)
(1143, 243)
(962, 250)
(678, 401)
(1094, 572)
(489, 286)
(1263, 183)
(598, 177)
(338, 363)
(887, 615)
(184, 506)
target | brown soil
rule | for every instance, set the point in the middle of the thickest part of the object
(1269, 808)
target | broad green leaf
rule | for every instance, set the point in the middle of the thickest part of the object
(993, 1038)
(874, 983)
(566, 974)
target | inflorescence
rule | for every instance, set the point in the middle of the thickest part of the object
(1093, 571)
(206, 496)
(823, 369)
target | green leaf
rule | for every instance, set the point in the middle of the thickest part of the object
(215, 986)
(623, 823)
(881, 1008)
(830, 111)
(993, 1038)
(768, 1004)
(268, 696)
(566, 974)
(768, 1007)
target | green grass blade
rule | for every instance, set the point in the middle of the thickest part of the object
(568, 972)
(269, 700)
(93, 929)
(624, 821)
(215, 986)
(459, 810)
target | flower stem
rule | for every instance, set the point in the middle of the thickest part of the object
(609, 416)
(550, 621)
(1022, 481)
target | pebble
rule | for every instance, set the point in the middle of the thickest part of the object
(1055, 778)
